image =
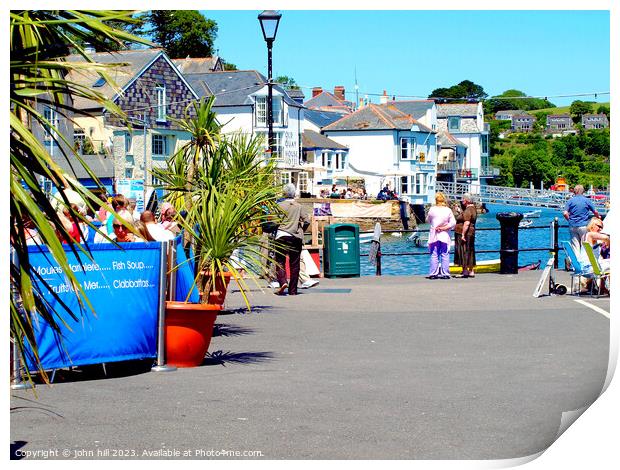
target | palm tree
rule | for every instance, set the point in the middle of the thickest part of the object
(225, 188)
(40, 40)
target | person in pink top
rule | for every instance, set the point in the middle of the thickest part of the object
(441, 220)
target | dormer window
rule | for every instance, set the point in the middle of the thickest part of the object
(261, 111)
(454, 123)
(160, 90)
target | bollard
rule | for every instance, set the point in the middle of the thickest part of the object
(509, 244)
(161, 366)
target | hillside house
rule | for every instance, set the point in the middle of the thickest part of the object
(594, 121)
(522, 123)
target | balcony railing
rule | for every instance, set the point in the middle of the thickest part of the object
(489, 172)
(447, 167)
(467, 174)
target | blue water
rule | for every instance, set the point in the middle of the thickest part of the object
(485, 240)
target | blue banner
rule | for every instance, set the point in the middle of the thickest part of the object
(122, 285)
(185, 275)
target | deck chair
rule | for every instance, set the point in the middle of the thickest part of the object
(598, 274)
(579, 270)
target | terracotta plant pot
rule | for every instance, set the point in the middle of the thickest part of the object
(189, 328)
(218, 295)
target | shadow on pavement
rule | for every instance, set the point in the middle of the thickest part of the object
(228, 357)
(224, 329)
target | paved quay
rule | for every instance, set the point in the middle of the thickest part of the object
(359, 368)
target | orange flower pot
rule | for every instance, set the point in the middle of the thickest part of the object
(188, 328)
(218, 295)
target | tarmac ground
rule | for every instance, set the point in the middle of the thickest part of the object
(355, 368)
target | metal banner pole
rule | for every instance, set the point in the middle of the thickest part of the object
(16, 382)
(172, 264)
(161, 332)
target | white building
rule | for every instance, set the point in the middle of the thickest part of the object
(241, 106)
(465, 122)
(394, 143)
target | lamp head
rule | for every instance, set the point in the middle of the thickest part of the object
(269, 20)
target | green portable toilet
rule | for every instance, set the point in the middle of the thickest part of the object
(341, 250)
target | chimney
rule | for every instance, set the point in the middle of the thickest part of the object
(317, 90)
(384, 97)
(339, 92)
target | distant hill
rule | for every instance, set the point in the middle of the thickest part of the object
(563, 109)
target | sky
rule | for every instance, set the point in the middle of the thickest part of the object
(410, 53)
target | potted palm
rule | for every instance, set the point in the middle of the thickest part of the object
(224, 187)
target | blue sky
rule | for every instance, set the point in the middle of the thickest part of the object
(410, 53)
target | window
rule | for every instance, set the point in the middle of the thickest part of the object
(420, 183)
(407, 148)
(261, 111)
(340, 161)
(325, 159)
(159, 144)
(404, 185)
(128, 141)
(330, 161)
(303, 181)
(454, 124)
(51, 116)
(79, 140)
(129, 173)
(285, 177)
(484, 143)
(161, 102)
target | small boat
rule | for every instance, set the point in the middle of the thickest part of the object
(532, 214)
(487, 266)
(417, 239)
(493, 266)
(396, 234)
(525, 223)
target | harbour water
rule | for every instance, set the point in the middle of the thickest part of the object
(485, 240)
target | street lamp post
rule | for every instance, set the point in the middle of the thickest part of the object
(269, 20)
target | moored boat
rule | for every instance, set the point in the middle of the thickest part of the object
(525, 223)
(532, 214)
(492, 266)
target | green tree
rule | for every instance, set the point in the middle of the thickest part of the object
(602, 109)
(515, 99)
(228, 65)
(182, 33)
(462, 92)
(39, 42)
(287, 82)
(578, 108)
(533, 165)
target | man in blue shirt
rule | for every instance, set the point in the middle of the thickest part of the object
(577, 212)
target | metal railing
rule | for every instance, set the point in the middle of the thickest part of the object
(553, 247)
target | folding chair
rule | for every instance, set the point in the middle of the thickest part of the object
(579, 270)
(597, 272)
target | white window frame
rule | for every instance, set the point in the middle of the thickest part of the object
(277, 110)
(419, 184)
(330, 161)
(458, 121)
(285, 177)
(341, 160)
(404, 185)
(160, 91)
(408, 148)
(51, 116)
(303, 181)
(324, 159)
(164, 144)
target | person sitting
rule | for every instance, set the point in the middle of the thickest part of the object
(119, 203)
(168, 215)
(599, 241)
(123, 230)
(156, 231)
(383, 194)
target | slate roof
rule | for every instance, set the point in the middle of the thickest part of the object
(312, 140)
(196, 64)
(327, 101)
(134, 60)
(100, 165)
(321, 118)
(417, 109)
(376, 117)
(446, 139)
(457, 109)
(296, 94)
(232, 87)
(510, 112)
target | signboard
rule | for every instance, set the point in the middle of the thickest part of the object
(132, 188)
(544, 276)
(122, 285)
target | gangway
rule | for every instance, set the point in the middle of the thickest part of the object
(517, 196)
